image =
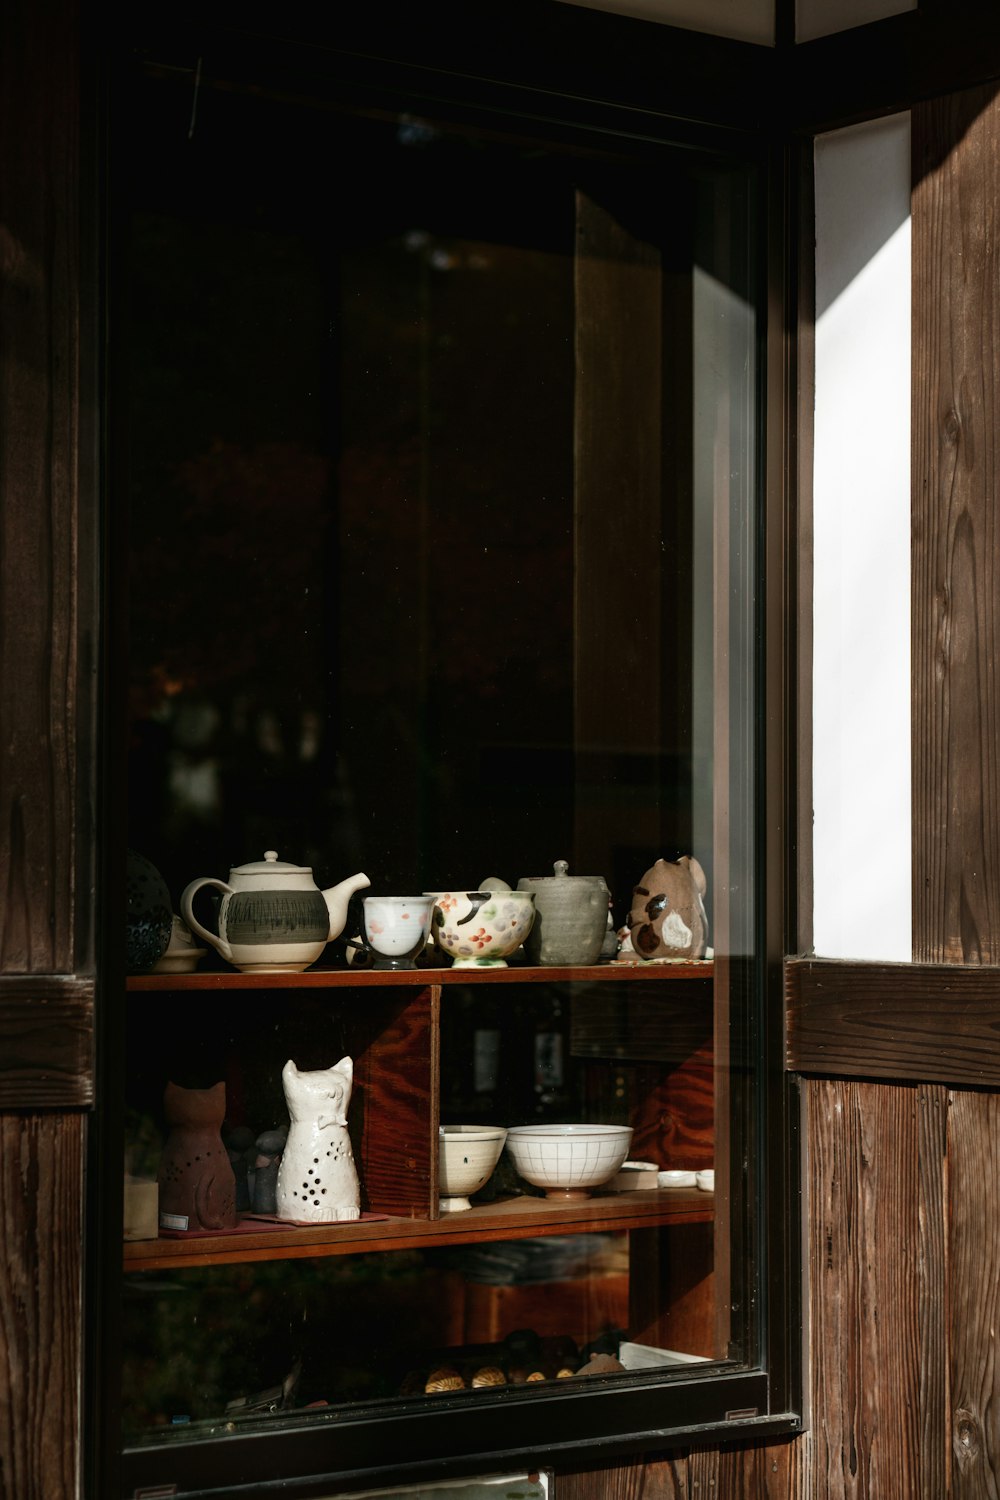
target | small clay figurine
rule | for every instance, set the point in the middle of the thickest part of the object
(668, 919)
(196, 1179)
(270, 1145)
(317, 1181)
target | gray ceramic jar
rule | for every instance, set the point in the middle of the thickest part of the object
(571, 917)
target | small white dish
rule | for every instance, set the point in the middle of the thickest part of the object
(675, 1179)
(633, 1175)
(706, 1180)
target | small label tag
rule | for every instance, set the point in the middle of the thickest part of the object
(173, 1221)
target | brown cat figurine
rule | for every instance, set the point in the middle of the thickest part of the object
(196, 1178)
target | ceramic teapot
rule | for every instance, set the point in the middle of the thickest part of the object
(273, 917)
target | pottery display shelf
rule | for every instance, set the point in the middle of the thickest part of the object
(507, 1219)
(390, 1023)
(689, 972)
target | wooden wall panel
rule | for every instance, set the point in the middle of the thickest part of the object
(48, 661)
(41, 1220)
(757, 1471)
(922, 1022)
(877, 1290)
(956, 694)
(46, 1042)
(658, 1479)
(956, 540)
(42, 804)
(764, 1471)
(974, 1292)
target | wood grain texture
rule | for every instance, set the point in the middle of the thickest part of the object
(956, 543)
(925, 1022)
(46, 1042)
(877, 1297)
(754, 1471)
(664, 976)
(504, 1219)
(662, 1478)
(44, 803)
(974, 1291)
(759, 1471)
(41, 1198)
(394, 1122)
(673, 1116)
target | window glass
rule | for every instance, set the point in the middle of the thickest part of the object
(442, 568)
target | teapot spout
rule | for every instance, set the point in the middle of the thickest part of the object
(337, 897)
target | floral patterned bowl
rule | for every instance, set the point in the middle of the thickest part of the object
(481, 929)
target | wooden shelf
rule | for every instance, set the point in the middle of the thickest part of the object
(685, 971)
(512, 1219)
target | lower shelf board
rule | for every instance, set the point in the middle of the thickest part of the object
(510, 1219)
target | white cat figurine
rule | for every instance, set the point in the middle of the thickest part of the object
(317, 1179)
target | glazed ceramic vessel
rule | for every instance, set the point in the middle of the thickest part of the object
(467, 1155)
(182, 953)
(568, 1161)
(395, 929)
(273, 918)
(481, 929)
(571, 917)
(667, 920)
(148, 914)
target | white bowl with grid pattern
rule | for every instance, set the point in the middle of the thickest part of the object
(568, 1161)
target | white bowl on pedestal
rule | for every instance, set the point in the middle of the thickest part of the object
(467, 1155)
(568, 1161)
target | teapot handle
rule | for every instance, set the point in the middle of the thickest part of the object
(361, 955)
(187, 896)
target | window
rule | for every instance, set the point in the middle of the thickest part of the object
(445, 540)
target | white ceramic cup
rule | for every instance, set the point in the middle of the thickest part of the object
(396, 929)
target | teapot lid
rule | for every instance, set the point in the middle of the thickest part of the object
(270, 865)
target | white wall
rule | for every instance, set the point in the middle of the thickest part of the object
(861, 664)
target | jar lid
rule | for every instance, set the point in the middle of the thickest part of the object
(270, 865)
(561, 876)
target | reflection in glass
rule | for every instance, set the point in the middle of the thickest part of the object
(442, 566)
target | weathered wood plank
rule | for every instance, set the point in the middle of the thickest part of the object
(924, 1022)
(877, 1292)
(765, 1471)
(46, 1042)
(974, 1291)
(41, 800)
(41, 1208)
(956, 541)
(665, 1478)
